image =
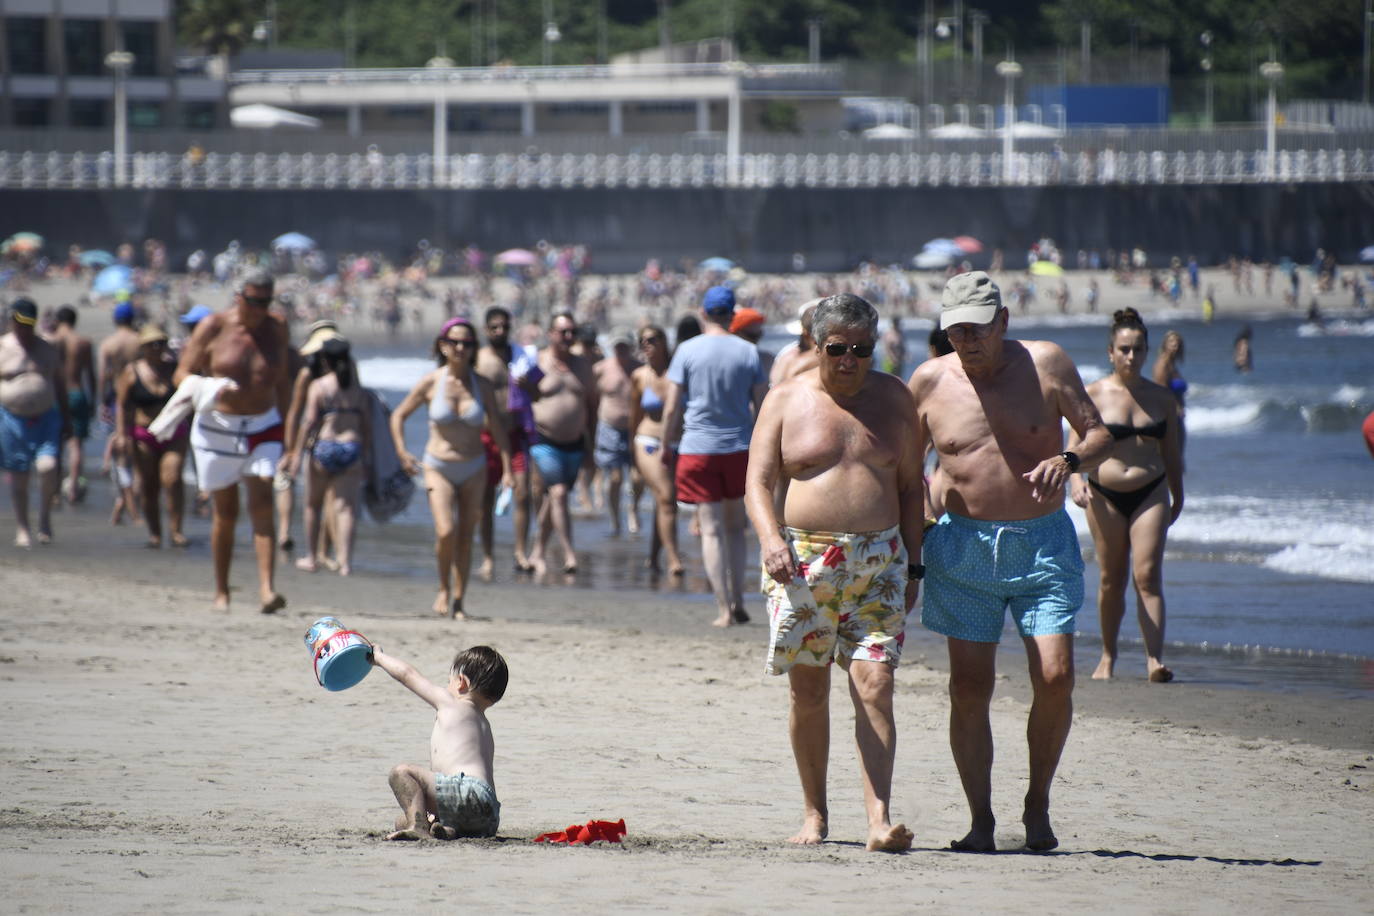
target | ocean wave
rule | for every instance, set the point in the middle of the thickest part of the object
(393, 373)
(1333, 561)
(1340, 327)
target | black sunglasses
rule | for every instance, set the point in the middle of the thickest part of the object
(860, 351)
(261, 302)
(647, 341)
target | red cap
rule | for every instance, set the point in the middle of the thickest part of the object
(746, 318)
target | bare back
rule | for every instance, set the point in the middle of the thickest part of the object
(462, 741)
(118, 350)
(78, 360)
(991, 431)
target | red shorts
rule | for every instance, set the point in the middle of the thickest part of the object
(519, 454)
(710, 478)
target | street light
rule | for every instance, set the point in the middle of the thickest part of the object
(120, 62)
(1009, 70)
(551, 33)
(440, 151)
(1272, 71)
(1205, 39)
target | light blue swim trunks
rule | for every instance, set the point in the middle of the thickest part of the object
(467, 805)
(976, 570)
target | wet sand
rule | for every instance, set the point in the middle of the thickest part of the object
(159, 756)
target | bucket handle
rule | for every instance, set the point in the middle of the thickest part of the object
(327, 642)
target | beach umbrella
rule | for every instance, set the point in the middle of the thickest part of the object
(1367, 254)
(943, 246)
(22, 241)
(889, 132)
(1046, 269)
(519, 257)
(293, 241)
(96, 258)
(112, 279)
(932, 260)
(968, 244)
(265, 117)
(956, 131)
(721, 265)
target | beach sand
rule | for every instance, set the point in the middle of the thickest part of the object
(158, 757)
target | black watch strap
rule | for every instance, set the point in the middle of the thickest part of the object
(1072, 460)
(915, 572)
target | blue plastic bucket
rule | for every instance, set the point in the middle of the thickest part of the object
(340, 655)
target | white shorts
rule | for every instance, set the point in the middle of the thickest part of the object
(230, 446)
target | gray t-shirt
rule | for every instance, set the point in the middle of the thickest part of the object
(717, 374)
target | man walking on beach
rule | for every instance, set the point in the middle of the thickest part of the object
(993, 410)
(78, 372)
(496, 362)
(33, 418)
(841, 576)
(715, 381)
(238, 429)
(612, 447)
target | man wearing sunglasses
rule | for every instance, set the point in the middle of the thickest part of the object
(842, 562)
(241, 354)
(994, 410)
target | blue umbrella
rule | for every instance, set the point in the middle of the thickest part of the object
(722, 265)
(96, 258)
(944, 246)
(112, 279)
(1367, 254)
(293, 241)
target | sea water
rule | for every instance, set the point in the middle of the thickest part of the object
(1268, 571)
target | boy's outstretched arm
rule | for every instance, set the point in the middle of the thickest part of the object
(404, 672)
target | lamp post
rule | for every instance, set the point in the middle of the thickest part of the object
(1205, 39)
(120, 62)
(1009, 70)
(1272, 71)
(551, 33)
(1364, 29)
(440, 153)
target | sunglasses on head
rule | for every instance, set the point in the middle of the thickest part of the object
(860, 351)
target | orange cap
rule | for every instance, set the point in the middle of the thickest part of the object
(746, 318)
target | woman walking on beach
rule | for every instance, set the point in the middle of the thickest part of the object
(1129, 512)
(141, 390)
(461, 404)
(336, 432)
(648, 389)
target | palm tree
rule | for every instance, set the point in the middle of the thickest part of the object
(218, 27)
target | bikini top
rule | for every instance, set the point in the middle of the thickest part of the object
(1178, 385)
(1125, 430)
(650, 400)
(141, 396)
(441, 411)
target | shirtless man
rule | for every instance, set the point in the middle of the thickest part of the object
(78, 372)
(239, 434)
(494, 363)
(847, 439)
(118, 350)
(564, 406)
(993, 410)
(33, 417)
(799, 357)
(612, 454)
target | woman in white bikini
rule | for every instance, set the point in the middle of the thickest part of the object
(1134, 496)
(648, 387)
(460, 404)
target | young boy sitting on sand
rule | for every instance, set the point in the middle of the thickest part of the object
(456, 796)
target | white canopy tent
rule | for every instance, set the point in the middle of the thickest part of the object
(266, 117)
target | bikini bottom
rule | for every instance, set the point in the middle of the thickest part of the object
(1127, 502)
(456, 472)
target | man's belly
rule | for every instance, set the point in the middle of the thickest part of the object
(247, 400)
(845, 501)
(561, 419)
(28, 394)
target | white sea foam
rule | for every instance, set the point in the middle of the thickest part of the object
(1223, 419)
(1340, 327)
(1328, 561)
(393, 373)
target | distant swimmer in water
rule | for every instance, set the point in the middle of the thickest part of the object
(1129, 512)
(1166, 373)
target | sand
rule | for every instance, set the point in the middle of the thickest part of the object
(157, 757)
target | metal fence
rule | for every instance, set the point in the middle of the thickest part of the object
(854, 170)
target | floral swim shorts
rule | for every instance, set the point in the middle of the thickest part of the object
(848, 601)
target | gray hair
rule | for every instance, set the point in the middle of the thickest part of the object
(259, 278)
(844, 310)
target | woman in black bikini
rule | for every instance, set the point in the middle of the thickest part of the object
(1129, 505)
(141, 390)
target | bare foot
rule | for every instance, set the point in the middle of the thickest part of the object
(286, 545)
(410, 833)
(221, 604)
(440, 832)
(307, 564)
(976, 840)
(570, 567)
(889, 838)
(739, 615)
(153, 543)
(345, 570)
(1161, 675)
(44, 536)
(813, 830)
(456, 612)
(329, 563)
(538, 566)
(632, 524)
(441, 604)
(676, 569)
(1039, 834)
(723, 620)
(179, 539)
(1104, 669)
(22, 540)
(273, 604)
(485, 570)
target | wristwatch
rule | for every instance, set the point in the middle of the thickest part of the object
(1071, 460)
(915, 572)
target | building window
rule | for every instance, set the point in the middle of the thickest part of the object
(28, 44)
(198, 115)
(86, 112)
(85, 47)
(145, 114)
(140, 40)
(30, 112)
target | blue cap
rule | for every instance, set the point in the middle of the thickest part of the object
(123, 313)
(718, 299)
(197, 314)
